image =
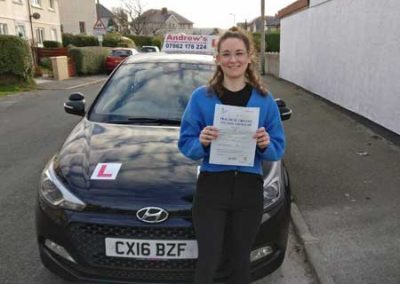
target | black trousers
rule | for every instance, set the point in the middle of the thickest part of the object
(226, 202)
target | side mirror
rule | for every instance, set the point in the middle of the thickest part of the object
(76, 104)
(283, 109)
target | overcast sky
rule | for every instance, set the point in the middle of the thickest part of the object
(212, 13)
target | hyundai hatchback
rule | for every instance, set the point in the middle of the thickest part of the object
(114, 203)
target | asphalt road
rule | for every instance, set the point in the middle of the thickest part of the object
(32, 127)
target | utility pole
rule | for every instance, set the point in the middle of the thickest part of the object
(262, 61)
(234, 18)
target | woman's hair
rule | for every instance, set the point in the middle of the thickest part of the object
(251, 75)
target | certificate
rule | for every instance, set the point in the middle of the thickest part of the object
(235, 144)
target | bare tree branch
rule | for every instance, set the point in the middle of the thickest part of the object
(121, 18)
(134, 10)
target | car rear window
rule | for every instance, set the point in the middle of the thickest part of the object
(121, 52)
(150, 90)
(148, 49)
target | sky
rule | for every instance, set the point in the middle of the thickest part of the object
(211, 13)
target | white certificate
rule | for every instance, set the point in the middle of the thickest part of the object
(235, 144)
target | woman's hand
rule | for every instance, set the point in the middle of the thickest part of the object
(208, 134)
(262, 138)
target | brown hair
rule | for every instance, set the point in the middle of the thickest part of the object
(251, 75)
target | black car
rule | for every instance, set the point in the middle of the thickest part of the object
(115, 201)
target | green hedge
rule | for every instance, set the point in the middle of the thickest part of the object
(89, 60)
(51, 44)
(141, 40)
(272, 41)
(15, 59)
(117, 40)
(112, 39)
(79, 40)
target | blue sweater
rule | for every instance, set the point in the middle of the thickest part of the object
(199, 113)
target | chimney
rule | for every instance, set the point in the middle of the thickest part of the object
(164, 11)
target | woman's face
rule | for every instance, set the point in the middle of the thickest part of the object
(233, 58)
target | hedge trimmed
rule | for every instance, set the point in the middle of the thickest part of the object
(15, 59)
(117, 40)
(113, 39)
(272, 41)
(79, 40)
(51, 44)
(141, 40)
(89, 60)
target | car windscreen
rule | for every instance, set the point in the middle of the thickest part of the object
(142, 92)
(121, 52)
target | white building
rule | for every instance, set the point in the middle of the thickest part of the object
(24, 17)
(78, 16)
(346, 52)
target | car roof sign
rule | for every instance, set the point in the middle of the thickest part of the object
(197, 44)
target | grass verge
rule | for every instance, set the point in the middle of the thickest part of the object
(15, 88)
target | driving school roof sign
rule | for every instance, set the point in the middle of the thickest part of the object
(199, 44)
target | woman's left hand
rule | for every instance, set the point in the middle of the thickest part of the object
(262, 138)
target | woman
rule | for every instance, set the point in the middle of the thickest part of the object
(229, 196)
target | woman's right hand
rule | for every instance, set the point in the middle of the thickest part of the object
(208, 134)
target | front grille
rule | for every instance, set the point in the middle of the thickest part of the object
(89, 241)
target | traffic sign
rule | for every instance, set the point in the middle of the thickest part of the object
(99, 28)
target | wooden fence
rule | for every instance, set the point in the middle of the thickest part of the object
(52, 52)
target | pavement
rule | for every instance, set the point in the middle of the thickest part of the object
(69, 84)
(345, 180)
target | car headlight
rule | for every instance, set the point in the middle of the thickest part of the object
(53, 191)
(273, 185)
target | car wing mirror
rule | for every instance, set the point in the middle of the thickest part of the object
(283, 109)
(75, 104)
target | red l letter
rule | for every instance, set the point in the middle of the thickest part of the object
(102, 172)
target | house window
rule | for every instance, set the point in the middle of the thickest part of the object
(3, 29)
(62, 28)
(20, 29)
(54, 34)
(36, 3)
(40, 36)
(82, 28)
(51, 4)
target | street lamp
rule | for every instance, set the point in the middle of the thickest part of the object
(234, 18)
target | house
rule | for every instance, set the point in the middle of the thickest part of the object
(272, 24)
(31, 19)
(159, 22)
(207, 31)
(78, 16)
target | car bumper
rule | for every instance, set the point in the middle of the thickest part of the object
(82, 236)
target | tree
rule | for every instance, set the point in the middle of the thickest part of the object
(121, 17)
(134, 11)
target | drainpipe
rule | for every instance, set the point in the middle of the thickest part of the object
(28, 3)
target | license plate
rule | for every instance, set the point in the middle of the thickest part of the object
(151, 249)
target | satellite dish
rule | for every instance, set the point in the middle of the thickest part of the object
(36, 16)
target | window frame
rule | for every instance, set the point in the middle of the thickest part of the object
(17, 30)
(82, 26)
(40, 36)
(3, 29)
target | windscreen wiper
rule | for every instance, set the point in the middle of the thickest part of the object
(146, 120)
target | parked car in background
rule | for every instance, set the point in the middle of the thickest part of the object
(149, 48)
(117, 55)
(115, 202)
